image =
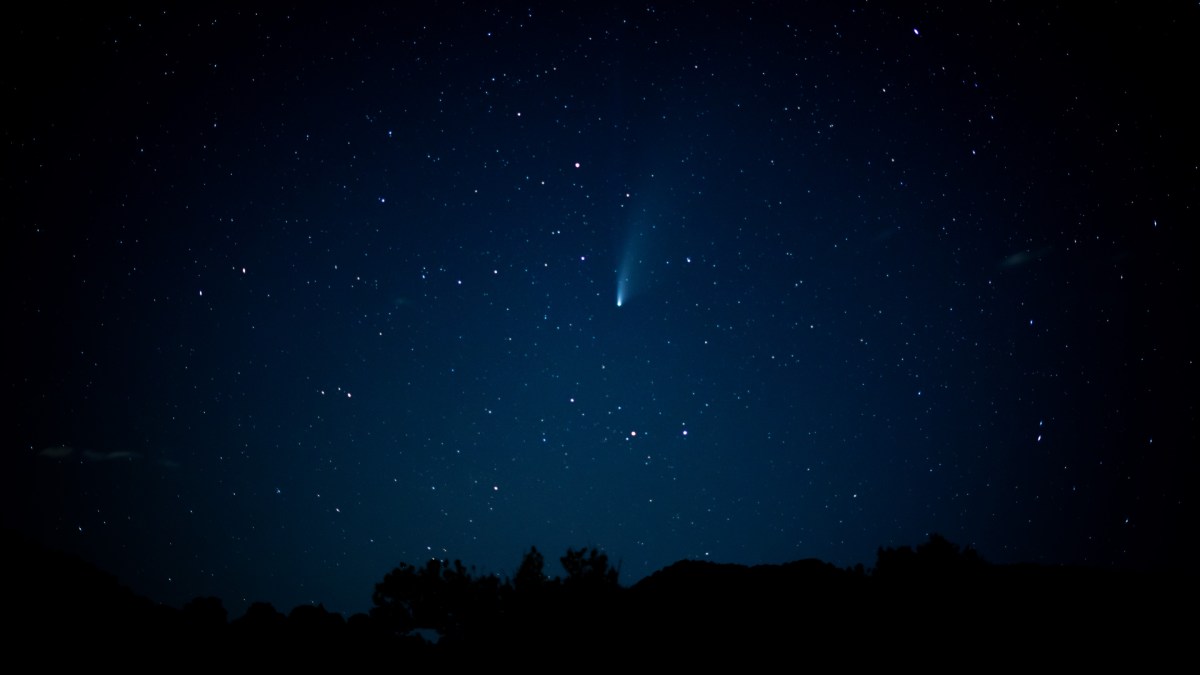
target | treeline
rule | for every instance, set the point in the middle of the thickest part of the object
(936, 598)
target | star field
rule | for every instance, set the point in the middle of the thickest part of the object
(296, 295)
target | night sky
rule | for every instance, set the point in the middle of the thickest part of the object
(294, 295)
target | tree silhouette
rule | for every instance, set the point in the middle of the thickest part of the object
(309, 625)
(441, 596)
(938, 559)
(588, 569)
(262, 622)
(531, 575)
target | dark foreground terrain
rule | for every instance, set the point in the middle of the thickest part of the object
(935, 606)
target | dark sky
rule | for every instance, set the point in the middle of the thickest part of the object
(296, 295)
